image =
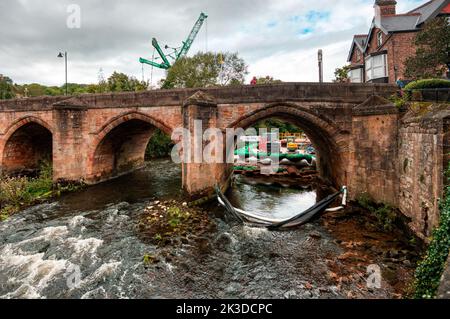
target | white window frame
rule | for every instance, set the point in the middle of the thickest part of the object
(380, 38)
(356, 75)
(376, 67)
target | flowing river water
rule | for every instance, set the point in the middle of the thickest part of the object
(87, 245)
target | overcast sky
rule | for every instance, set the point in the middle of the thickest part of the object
(276, 37)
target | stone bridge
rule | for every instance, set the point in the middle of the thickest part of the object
(355, 129)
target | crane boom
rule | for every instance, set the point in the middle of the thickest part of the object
(184, 49)
(191, 38)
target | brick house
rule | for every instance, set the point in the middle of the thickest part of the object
(379, 56)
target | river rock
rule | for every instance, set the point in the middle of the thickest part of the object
(315, 235)
(223, 242)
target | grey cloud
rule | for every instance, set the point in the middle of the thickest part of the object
(115, 33)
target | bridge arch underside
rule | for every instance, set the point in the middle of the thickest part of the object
(121, 150)
(325, 138)
(26, 148)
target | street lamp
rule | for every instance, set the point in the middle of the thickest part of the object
(64, 55)
(320, 58)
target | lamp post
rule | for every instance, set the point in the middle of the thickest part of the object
(320, 58)
(64, 55)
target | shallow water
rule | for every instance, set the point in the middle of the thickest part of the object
(86, 245)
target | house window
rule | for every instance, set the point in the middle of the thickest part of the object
(355, 75)
(379, 38)
(358, 55)
(376, 67)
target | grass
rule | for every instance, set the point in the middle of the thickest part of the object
(385, 214)
(19, 192)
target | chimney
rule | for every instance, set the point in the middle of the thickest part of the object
(384, 8)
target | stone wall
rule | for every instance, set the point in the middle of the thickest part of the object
(372, 165)
(423, 157)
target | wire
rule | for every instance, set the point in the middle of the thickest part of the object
(151, 75)
(206, 35)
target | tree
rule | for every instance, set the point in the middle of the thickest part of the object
(205, 70)
(341, 74)
(267, 80)
(233, 69)
(6, 88)
(120, 82)
(432, 56)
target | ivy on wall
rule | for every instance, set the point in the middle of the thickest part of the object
(430, 269)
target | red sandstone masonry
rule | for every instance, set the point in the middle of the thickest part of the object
(96, 137)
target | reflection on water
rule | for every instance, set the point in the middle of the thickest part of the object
(160, 179)
(271, 201)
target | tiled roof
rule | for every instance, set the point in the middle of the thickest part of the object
(430, 9)
(401, 22)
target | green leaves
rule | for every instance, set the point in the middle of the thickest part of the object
(432, 54)
(205, 70)
(160, 145)
(120, 82)
(6, 88)
(341, 74)
(428, 84)
(430, 269)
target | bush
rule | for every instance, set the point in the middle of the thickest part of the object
(430, 269)
(160, 145)
(385, 214)
(19, 192)
(428, 84)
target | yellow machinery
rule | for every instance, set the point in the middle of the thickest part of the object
(291, 145)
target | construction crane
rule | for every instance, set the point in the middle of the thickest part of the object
(175, 55)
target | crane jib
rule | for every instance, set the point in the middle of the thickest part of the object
(184, 50)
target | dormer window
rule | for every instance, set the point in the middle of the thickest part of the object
(379, 38)
(358, 55)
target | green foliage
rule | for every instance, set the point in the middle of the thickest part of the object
(206, 70)
(160, 145)
(267, 80)
(6, 88)
(399, 101)
(282, 126)
(120, 82)
(433, 45)
(22, 191)
(430, 269)
(117, 82)
(341, 74)
(385, 214)
(427, 84)
(150, 259)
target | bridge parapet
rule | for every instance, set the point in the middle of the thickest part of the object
(270, 93)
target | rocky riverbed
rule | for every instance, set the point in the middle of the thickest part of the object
(110, 241)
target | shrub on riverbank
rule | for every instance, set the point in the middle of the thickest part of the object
(430, 269)
(159, 146)
(385, 214)
(19, 192)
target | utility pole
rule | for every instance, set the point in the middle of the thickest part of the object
(320, 56)
(64, 55)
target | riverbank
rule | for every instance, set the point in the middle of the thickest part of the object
(20, 192)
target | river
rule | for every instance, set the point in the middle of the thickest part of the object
(87, 245)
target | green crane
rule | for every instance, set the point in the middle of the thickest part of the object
(176, 55)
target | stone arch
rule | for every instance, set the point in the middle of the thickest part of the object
(119, 146)
(330, 141)
(26, 143)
